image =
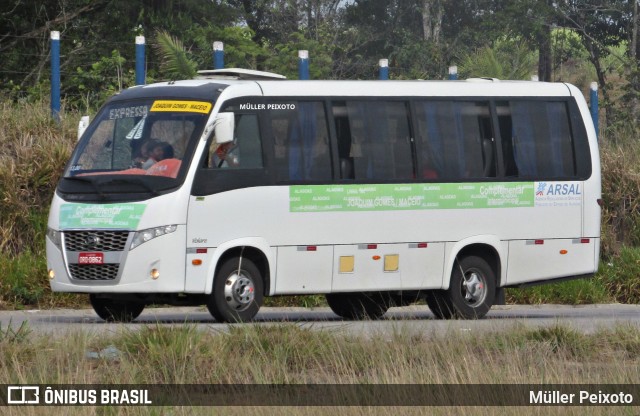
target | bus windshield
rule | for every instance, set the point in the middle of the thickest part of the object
(143, 138)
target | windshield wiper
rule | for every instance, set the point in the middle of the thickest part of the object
(135, 181)
(94, 184)
(97, 184)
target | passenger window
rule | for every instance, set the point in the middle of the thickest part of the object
(301, 141)
(245, 152)
(374, 140)
(456, 140)
(536, 139)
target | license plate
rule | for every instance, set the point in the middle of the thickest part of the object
(91, 258)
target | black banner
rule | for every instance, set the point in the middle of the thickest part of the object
(322, 395)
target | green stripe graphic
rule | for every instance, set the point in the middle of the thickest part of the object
(400, 197)
(122, 216)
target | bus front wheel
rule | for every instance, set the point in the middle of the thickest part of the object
(114, 310)
(471, 291)
(358, 305)
(237, 291)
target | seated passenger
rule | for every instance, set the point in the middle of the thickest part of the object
(429, 173)
(225, 156)
(142, 155)
(428, 170)
(158, 151)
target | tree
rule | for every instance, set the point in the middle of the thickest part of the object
(284, 25)
(25, 26)
(90, 30)
(176, 63)
(408, 32)
(506, 59)
(432, 15)
(530, 20)
(600, 25)
(633, 72)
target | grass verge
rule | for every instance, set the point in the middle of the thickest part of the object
(290, 354)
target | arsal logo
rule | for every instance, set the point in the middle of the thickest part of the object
(545, 189)
(555, 194)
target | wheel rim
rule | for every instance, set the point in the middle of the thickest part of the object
(239, 291)
(474, 288)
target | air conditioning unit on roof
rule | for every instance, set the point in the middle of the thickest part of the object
(238, 73)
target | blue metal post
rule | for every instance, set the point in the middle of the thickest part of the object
(140, 72)
(55, 75)
(303, 65)
(218, 55)
(593, 102)
(384, 69)
(453, 73)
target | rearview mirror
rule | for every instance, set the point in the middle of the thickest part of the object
(82, 125)
(223, 127)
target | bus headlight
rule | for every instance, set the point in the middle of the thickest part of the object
(54, 236)
(141, 237)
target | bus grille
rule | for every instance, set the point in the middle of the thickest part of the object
(95, 240)
(94, 271)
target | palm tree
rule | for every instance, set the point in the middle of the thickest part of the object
(503, 60)
(176, 62)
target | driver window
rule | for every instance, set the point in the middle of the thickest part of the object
(245, 152)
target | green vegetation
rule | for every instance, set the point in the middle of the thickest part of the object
(34, 150)
(620, 191)
(618, 280)
(573, 292)
(620, 276)
(290, 354)
(345, 40)
(506, 59)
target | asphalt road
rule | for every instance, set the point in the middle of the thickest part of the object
(587, 319)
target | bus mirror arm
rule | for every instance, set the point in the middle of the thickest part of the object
(82, 125)
(223, 127)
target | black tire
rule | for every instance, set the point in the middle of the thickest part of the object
(358, 305)
(238, 291)
(114, 310)
(470, 295)
(440, 304)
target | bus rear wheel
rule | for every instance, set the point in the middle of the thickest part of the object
(471, 291)
(114, 310)
(358, 305)
(237, 291)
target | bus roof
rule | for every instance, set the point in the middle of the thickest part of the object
(464, 88)
(202, 90)
(413, 88)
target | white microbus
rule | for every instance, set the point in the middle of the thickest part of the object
(222, 191)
